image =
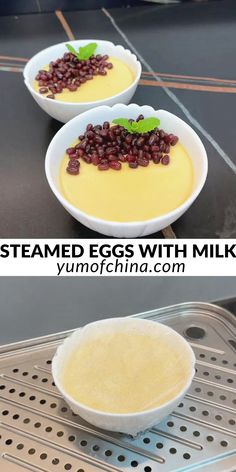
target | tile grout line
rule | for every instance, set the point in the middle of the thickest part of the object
(39, 6)
(65, 25)
(172, 96)
(167, 232)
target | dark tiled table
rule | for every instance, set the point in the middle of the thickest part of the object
(190, 46)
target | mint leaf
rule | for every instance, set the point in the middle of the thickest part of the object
(134, 126)
(123, 122)
(146, 125)
(85, 52)
(141, 126)
(72, 50)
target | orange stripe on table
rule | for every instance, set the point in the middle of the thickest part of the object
(11, 64)
(168, 233)
(194, 77)
(4, 68)
(11, 58)
(201, 88)
(64, 24)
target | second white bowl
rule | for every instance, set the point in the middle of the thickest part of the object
(169, 122)
(65, 111)
(130, 423)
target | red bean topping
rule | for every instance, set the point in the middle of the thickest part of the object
(98, 139)
(72, 170)
(70, 72)
(156, 158)
(51, 96)
(107, 147)
(95, 159)
(73, 163)
(80, 152)
(129, 138)
(73, 156)
(155, 148)
(140, 117)
(70, 151)
(142, 161)
(133, 165)
(112, 157)
(116, 165)
(140, 141)
(83, 144)
(86, 158)
(174, 141)
(52, 89)
(72, 87)
(103, 166)
(43, 90)
(102, 72)
(131, 158)
(122, 158)
(152, 140)
(104, 133)
(165, 160)
(100, 151)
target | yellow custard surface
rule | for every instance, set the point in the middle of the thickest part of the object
(130, 194)
(125, 372)
(117, 79)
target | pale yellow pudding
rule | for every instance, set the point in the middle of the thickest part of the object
(117, 79)
(130, 194)
(125, 372)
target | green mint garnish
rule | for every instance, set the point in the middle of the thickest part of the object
(84, 52)
(142, 126)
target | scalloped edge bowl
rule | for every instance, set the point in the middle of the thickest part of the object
(130, 423)
(65, 111)
(171, 123)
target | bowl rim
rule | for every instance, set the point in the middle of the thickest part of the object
(74, 104)
(125, 224)
(125, 415)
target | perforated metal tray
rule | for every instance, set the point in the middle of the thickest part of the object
(39, 433)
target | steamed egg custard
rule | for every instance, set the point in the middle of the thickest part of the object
(100, 87)
(131, 194)
(125, 372)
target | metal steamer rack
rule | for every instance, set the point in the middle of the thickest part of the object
(39, 433)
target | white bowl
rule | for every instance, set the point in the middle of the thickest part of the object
(130, 423)
(65, 111)
(169, 122)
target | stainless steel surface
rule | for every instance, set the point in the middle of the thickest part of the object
(39, 433)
